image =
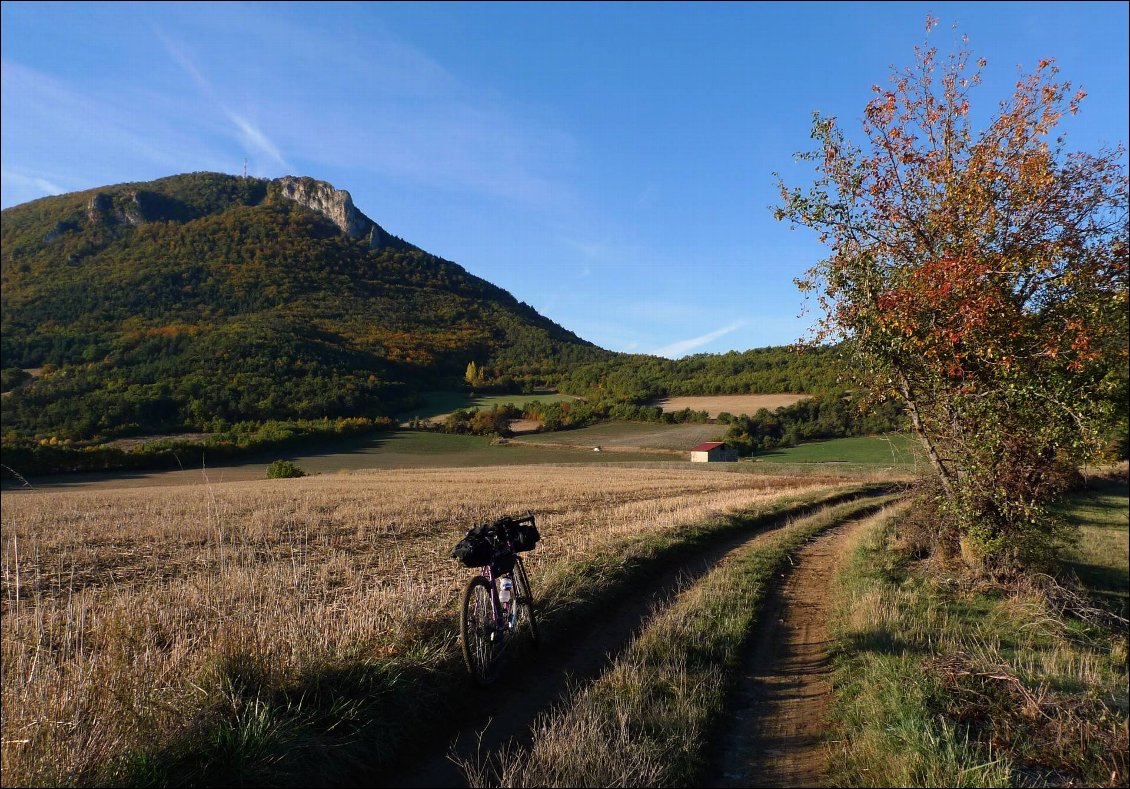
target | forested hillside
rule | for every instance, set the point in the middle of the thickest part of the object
(205, 298)
(209, 302)
(637, 378)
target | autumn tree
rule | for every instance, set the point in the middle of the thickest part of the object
(474, 375)
(981, 278)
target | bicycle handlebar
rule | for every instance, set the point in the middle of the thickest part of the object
(512, 520)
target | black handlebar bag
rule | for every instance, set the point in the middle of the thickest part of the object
(491, 543)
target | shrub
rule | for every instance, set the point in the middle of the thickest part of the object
(284, 469)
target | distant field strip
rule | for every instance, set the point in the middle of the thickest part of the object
(132, 616)
(630, 435)
(732, 404)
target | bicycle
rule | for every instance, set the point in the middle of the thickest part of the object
(498, 603)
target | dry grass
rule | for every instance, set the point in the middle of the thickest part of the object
(132, 618)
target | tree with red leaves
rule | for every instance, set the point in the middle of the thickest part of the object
(981, 278)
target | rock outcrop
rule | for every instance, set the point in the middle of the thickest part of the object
(335, 205)
(102, 209)
(99, 208)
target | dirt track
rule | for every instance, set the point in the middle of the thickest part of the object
(793, 670)
(778, 712)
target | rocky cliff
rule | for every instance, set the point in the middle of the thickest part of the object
(337, 206)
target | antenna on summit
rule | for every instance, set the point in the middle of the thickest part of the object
(244, 166)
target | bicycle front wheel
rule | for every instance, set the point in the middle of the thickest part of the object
(482, 638)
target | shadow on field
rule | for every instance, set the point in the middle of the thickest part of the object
(884, 643)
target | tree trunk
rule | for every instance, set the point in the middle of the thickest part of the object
(916, 421)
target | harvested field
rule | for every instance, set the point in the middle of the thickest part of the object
(732, 404)
(519, 426)
(130, 616)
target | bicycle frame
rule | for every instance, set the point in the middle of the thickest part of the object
(505, 615)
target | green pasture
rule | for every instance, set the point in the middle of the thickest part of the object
(649, 443)
(423, 449)
(894, 449)
(1101, 557)
(641, 435)
(379, 450)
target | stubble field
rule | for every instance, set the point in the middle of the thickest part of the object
(733, 404)
(131, 616)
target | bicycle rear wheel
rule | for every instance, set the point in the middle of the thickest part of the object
(524, 599)
(482, 640)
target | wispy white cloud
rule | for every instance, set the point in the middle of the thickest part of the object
(380, 106)
(23, 187)
(33, 181)
(177, 53)
(313, 99)
(72, 137)
(682, 347)
(254, 139)
(251, 136)
(647, 197)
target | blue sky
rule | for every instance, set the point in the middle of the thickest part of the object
(610, 164)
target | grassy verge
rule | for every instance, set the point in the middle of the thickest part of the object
(942, 682)
(359, 717)
(646, 721)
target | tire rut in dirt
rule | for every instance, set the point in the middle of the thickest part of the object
(506, 711)
(773, 732)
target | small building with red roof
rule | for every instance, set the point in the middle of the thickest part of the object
(713, 452)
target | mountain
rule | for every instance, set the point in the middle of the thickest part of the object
(176, 303)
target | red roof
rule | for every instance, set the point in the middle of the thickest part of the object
(709, 445)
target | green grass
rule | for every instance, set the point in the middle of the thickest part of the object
(641, 435)
(943, 680)
(423, 449)
(438, 403)
(378, 450)
(890, 450)
(885, 730)
(1101, 558)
